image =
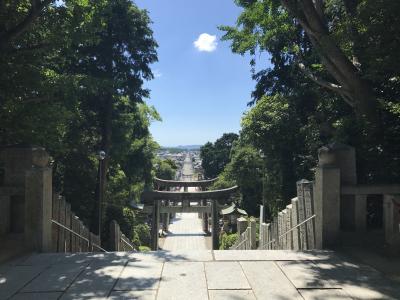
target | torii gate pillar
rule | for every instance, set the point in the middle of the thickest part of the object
(215, 229)
(155, 225)
(205, 218)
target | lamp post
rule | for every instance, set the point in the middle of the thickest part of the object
(263, 176)
(101, 156)
(263, 183)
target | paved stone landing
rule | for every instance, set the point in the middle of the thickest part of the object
(280, 275)
(185, 233)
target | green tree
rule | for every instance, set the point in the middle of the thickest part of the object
(216, 156)
(166, 169)
(246, 170)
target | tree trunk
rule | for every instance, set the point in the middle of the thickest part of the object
(34, 12)
(357, 90)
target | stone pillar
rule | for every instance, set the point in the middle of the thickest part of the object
(215, 227)
(155, 225)
(262, 214)
(336, 166)
(241, 225)
(253, 230)
(114, 235)
(289, 225)
(360, 213)
(264, 234)
(295, 221)
(38, 206)
(5, 214)
(391, 219)
(17, 160)
(327, 206)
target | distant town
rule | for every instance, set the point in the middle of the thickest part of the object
(177, 155)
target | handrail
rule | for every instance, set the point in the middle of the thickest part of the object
(99, 247)
(127, 243)
(78, 235)
(239, 243)
(237, 246)
(290, 230)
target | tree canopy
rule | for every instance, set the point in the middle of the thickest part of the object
(72, 81)
(216, 155)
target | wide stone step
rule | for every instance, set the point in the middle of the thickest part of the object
(254, 274)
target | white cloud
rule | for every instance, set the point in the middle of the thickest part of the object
(157, 73)
(206, 42)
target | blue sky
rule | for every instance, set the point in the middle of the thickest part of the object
(200, 92)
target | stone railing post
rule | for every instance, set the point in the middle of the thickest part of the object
(262, 214)
(295, 221)
(38, 203)
(253, 230)
(115, 235)
(241, 225)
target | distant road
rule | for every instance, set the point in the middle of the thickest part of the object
(185, 232)
(187, 169)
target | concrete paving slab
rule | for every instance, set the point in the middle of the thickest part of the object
(191, 255)
(225, 276)
(306, 275)
(183, 280)
(231, 294)
(268, 281)
(14, 262)
(359, 281)
(272, 255)
(47, 259)
(346, 271)
(139, 276)
(94, 281)
(151, 256)
(382, 289)
(16, 278)
(38, 296)
(137, 295)
(55, 278)
(324, 294)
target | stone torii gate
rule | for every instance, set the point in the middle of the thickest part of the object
(202, 184)
(168, 185)
(166, 202)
